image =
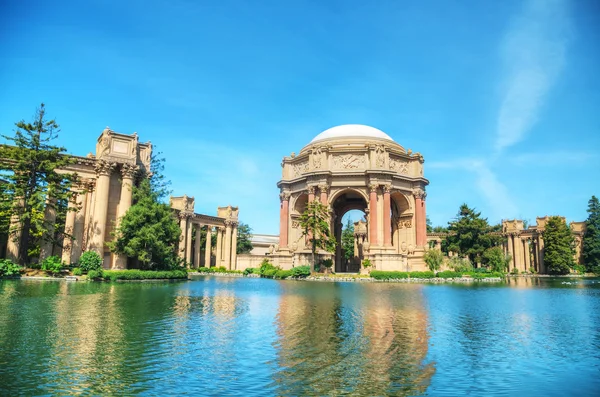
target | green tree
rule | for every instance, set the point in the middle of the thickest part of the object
(33, 184)
(470, 235)
(348, 240)
(496, 260)
(314, 222)
(428, 225)
(591, 238)
(558, 246)
(149, 232)
(244, 245)
(434, 259)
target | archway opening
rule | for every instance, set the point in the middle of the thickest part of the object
(348, 206)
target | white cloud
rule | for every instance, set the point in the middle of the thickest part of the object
(533, 52)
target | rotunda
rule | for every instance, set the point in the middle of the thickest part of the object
(356, 167)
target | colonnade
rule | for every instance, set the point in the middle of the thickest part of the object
(526, 251)
(225, 251)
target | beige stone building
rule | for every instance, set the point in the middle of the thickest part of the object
(103, 196)
(356, 167)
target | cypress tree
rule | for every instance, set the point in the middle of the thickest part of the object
(558, 246)
(591, 238)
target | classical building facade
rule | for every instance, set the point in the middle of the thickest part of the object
(103, 194)
(356, 167)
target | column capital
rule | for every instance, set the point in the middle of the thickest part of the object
(419, 193)
(230, 223)
(311, 189)
(184, 215)
(373, 187)
(129, 171)
(324, 188)
(285, 196)
(104, 168)
(387, 188)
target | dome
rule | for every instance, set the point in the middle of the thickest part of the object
(351, 131)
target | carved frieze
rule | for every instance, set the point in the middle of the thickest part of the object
(348, 161)
(380, 156)
(317, 158)
(399, 166)
(300, 168)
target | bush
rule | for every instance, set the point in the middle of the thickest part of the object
(367, 263)
(327, 263)
(486, 274)
(496, 259)
(514, 271)
(90, 260)
(52, 264)
(301, 271)
(460, 265)
(596, 270)
(114, 275)
(580, 269)
(449, 274)
(77, 271)
(434, 259)
(94, 274)
(250, 270)
(283, 274)
(383, 275)
(8, 268)
(429, 274)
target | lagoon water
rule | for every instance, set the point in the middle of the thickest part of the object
(252, 337)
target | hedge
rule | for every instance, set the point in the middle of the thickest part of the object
(382, 275)
(114, 275)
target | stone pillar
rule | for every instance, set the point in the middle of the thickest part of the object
(47, 243)
(88, 216)
(207, 248)
(284, 219)
(79, 227)
(541, 265)
(98, 226)
(234, 246)
(387, 217)
(227, 261)
(69, 229)
(128, 172)
(323, 188)
(509, 245)
(420, 217)
(527, 254)
(518, 248)
(373, 214)
(14, 237)
(311, 194)
(219, 253)
(183, 226)
(197, 254)
(188, 243)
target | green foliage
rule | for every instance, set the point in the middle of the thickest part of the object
(366, 263)
(558, 246)
(428, 225)
(348, 240)
(470, 235)
(596, 270)
(580, 269)
(90, 260)
(496, 259)
(52, 264)
(460, 265)
(244, 245)
(449, 274)
(264, 266)
(8, 268)
(383, 275)
(429, 274)
(434, 259)
(134, 274)
(77, 271)
(148, 231)
(301, 271)
(326, 263)
(314, 222)
(250, 270)
(482, 273)
(514, 271)
(283, 274)
(220, 269)
(94, 274)
(591, 238)
(29, 168)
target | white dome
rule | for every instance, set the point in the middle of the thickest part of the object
(352, 130)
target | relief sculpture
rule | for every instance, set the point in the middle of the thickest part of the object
(348, 161)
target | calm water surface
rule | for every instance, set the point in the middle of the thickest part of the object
(243, 337)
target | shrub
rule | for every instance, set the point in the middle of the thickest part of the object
(90, 260)
(429, 274)
(52, 264)
(301, 271)
(434, 259)
(496, 259)
(327, 263)
(77, 271)
(8, 268)
(460, 265)
(449, 274)
(514, 271)
(267, 269)
(596, 270)
(283, 273)
(479, 275)
(249, 270)
(383, 275)
(367, 263)
(94, 274)
(114, 275)
(580, 269)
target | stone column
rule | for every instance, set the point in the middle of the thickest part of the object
(79, 227)
(323, 188)
(518, 247)
(14, 237)
(183, 226)
(69, 229)
(373, 214)
(284, 219)
(207, 248)
(541, 264)
(197, 254)
(311, 194)
(98, 226)
(88, 216)
(527, 254)
(509, 245)
(47, 243)
(219, 252)
(227, 261)
(387, 216)
(128, 172)
(188, 243)
(234, 246)
(420, 217)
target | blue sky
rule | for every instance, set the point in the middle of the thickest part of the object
(501, 97)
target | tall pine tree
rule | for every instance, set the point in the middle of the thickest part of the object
(33, 186)
(591, 239)
(558, 246)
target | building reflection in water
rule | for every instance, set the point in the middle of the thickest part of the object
(352, 339)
